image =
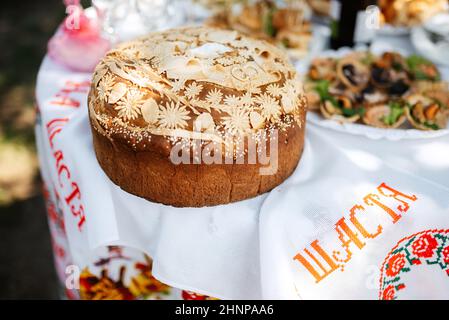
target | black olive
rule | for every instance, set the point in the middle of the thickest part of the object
(349, 72)
(399, 88)
(368, 89)
(359, 98)
(380, 76)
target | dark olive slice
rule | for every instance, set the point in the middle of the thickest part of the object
(381, 77)
(353, 74)
(399, 87)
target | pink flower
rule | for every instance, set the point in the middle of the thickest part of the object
(78, 44)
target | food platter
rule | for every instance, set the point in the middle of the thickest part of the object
(404, 131)
(371, 132)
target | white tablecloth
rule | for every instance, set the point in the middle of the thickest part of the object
(245, 249)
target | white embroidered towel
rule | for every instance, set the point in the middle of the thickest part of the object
(240, 250)
(354, 228)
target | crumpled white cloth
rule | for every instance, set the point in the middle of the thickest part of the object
(245, 250)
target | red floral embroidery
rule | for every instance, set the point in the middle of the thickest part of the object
(424, 246)
(395, 264)
(388, 293)
(189, 295)
(446, 255)
(416, 249)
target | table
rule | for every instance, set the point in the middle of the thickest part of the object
(180, 242)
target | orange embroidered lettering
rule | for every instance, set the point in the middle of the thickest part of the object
(373, 199)
(344, 231)
(324, 272)
(395, 194)
(323, 267)
(365, 233)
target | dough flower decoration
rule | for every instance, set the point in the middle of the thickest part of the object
(193, 90)
(274, 90)
(173, 116)
(246, 99)
(178, 85)
(232, 101)
(105, 86)
(129, 106)
(237, 121)
(269, 107)
(214, 97)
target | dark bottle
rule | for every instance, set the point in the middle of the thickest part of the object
(353, 22)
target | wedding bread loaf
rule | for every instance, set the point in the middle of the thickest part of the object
(197, 117)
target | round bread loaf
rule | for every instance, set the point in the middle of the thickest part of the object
(197, 117)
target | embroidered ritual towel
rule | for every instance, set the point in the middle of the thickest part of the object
(239, 250)
(353, 228)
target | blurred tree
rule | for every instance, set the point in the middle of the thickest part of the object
(25, 27)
